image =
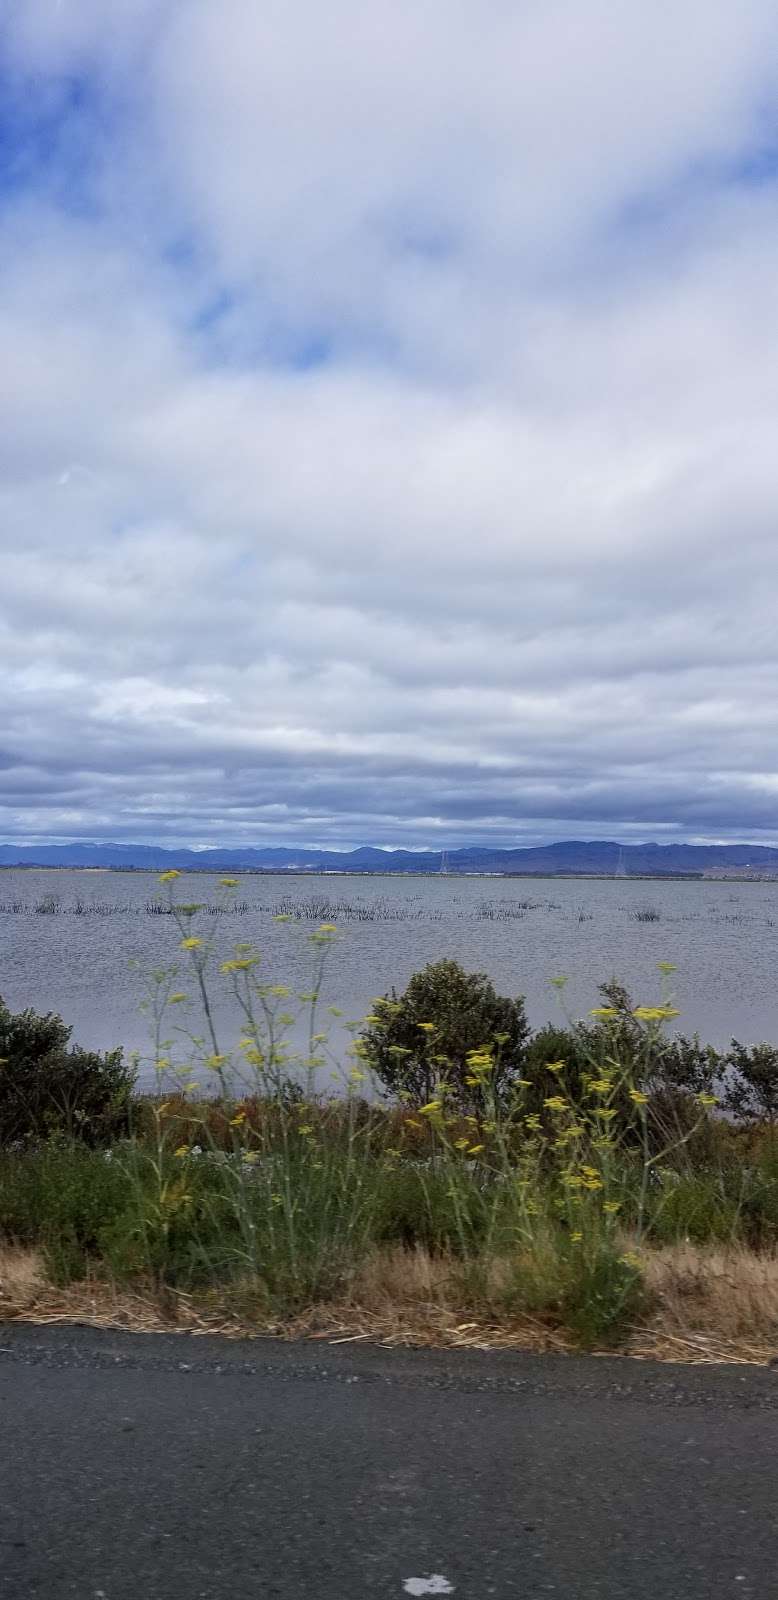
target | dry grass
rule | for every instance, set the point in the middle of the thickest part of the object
(710, 1305)
(723, 1297)
(22, 1280)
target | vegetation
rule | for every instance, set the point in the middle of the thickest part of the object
(532, 1179)
(428, 1035)
(50, 1090)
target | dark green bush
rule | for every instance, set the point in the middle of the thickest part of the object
(752, 1082)
(466, 1014)
(48, 1087)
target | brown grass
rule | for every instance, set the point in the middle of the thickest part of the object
(22, 1279)
(710, 1304)
(720, 1296)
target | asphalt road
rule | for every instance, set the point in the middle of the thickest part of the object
(142, 1467)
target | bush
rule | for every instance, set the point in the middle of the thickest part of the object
(61, 1198)
(752, 1083)
(604, 1294)
(442, 1211)
(49, 1088)
(424, 1037)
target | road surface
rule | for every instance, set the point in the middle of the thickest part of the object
(147, 1467)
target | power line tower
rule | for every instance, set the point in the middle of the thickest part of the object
(444, 867)
(621, 869)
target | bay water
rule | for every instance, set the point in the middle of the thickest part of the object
(85, 943)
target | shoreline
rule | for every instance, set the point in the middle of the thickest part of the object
(332, 872)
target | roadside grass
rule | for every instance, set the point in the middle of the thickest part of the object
(316, 1232)
(705, 1304)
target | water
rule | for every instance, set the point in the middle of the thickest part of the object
(78, 960)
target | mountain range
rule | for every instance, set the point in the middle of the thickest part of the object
(569, 857)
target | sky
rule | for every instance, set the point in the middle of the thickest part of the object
(389, 401)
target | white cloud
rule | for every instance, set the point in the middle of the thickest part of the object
(391, 420)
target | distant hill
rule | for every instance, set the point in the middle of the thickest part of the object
(569, 857)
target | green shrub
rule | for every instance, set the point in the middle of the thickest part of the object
(604, 1294)
(752, 1083)
(702, 1207)
(61, 1198)
(757, 1183)
(424, 1036)
(440, 1210)
(49, 1088)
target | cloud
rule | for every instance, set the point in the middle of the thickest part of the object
(391, 413)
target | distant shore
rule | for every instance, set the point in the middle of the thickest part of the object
(353, 872)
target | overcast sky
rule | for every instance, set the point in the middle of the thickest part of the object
(390, 396)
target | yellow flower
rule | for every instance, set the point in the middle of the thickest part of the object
(707, 1099)
(356, 1076)
(239, 1117)
(630, 1259)
(638, 1098)
(605, 1113)
(167, 877)
(229, 883)
(600, 1085)
(576, 1236)
(593, 1183)
(431, 1109)
(305, 1129)
(250, 1158)
(183, 1150)
(555, 1066)
(192, 943)
(328, 927)
(215, 1062)
(603, 1011)
(666, 966)
(475, 1149)
(428, 1027)
(177, 998)
(572, 1180)
(655, 1013)
(410, 1122)
(555, 1102)
(611, 1206)
(461, 1144)
(280, 991)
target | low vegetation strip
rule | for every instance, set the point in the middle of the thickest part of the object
(594, 1184)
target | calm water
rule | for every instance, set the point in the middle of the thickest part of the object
(723, 938)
